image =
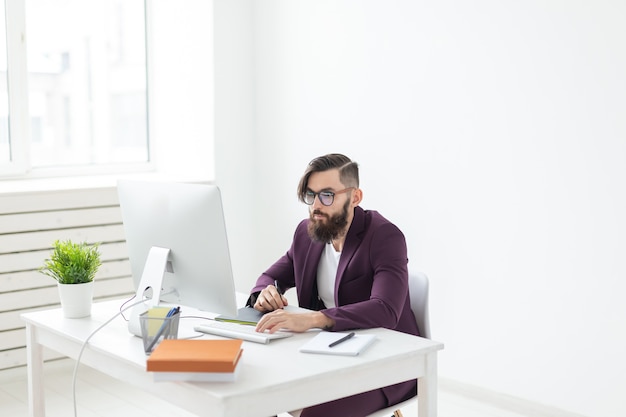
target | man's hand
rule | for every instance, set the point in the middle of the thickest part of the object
(270, 299)
(294, 322)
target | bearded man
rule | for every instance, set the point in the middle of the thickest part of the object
(349, 266)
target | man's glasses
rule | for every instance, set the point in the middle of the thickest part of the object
(325, 197)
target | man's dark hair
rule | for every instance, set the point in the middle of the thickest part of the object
(348, 171)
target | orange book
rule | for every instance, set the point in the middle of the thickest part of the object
(181, 355)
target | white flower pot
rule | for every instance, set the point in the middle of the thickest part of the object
(76, 299)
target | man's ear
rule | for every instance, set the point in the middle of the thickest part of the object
(357, 196)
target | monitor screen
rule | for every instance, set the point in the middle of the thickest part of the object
(185, 222)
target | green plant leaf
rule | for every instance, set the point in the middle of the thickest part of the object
(72, 263)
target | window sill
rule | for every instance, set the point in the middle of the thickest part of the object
(18, 186)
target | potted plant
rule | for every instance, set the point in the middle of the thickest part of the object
(74, 266)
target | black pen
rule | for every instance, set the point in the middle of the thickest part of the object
(343, 339)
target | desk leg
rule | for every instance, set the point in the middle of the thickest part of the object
(427, 388)
(34, 356)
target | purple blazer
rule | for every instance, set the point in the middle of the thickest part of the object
(371, 289)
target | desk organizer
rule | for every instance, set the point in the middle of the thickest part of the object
(157, 324)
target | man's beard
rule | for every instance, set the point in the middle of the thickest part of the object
(333, 227)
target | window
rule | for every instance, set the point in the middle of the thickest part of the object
(5, 150)
(84, 82)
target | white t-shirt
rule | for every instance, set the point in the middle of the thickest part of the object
(327, 275)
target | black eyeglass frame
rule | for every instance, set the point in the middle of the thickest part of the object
(323, 196)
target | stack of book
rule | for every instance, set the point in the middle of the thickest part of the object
(195, 360)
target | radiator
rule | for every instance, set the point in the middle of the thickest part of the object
(29, 223)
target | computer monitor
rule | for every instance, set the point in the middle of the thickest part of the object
(177, 245)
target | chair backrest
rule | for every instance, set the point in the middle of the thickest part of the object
(418, 293)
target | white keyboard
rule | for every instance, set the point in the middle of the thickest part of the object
(239, 331)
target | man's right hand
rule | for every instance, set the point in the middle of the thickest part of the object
(270, 299)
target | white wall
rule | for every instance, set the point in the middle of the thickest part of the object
(181, 88)
(235, 127)
(492, 132)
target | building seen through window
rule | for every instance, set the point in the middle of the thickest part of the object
(86, 64)
(86, 84)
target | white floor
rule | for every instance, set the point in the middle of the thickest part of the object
(98, 395)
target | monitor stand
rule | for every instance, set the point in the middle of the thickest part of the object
(151, 279)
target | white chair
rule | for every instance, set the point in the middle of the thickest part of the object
(418, 293)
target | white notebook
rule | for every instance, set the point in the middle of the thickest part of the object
(351, 347)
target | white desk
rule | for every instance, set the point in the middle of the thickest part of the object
(273, 378)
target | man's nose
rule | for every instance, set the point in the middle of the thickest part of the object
(317, 203)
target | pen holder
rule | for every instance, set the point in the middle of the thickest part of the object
(157, 325)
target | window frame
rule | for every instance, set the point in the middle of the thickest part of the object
(19, 167)
(17, 88)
